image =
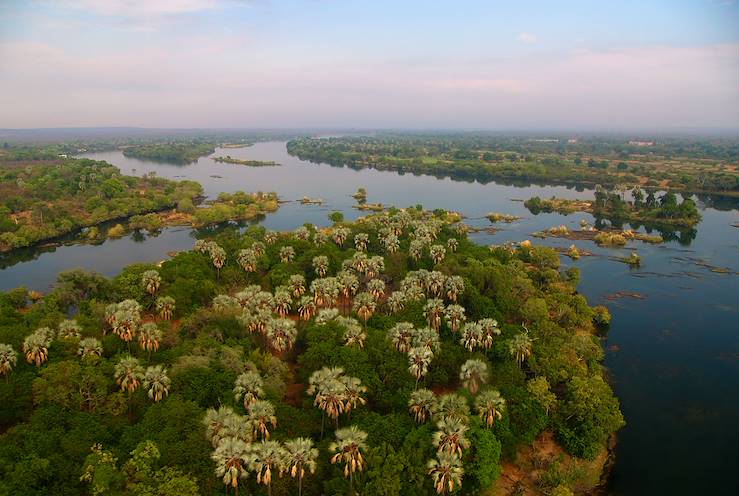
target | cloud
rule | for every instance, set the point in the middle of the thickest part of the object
(139, 8)
(527, 37)
(228, 80)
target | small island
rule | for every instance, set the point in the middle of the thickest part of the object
(642, 209)
(175, 152)
(228, 159)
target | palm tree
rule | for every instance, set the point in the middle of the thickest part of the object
(128, 374)
(149, 338)
(361, 240)
(156, 382)
(401, 335)
(320, 238)
(299, 456)
(454, 286)
(473, 373)
(151, 281)
(283, 301)
(287, 253)
(69, 329)
(421, 404)
(489, 329)
(353, 393)
(306, 308)
(428, 338)
(446, 472)
(452, 406)
(375, 266)
(249, 386)
(89, 348)
(320, 265)
(325, 291)
(36, 346)
(452, 244)
(376, 288)
(364, 305)
(296, 283)
(218, 257)
(258, 248)
(433, 311)
(266, 456)
(340, 234)
(350, 442)
(396, 301)
(302, 233)
(232, 457)
(329, 391)
(520, 347)
(472, 336)
(8, 359)
(281, 334)
(248, 260)
(490, 406)
(415, 249)
(219, 424)
(437, 253)
(126, 324)
(348, 283)
(270, 237)
(391, 243)
(455, 316)
(261, 415)
(450, 438)
(419, 360)
(435, 282)
(165, 305)
(353, 335)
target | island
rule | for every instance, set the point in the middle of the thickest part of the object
(251, 163)
(43, 200)
(611, 205)
(378, 353)
(171, 152)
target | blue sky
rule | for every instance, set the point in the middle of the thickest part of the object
(329, 63)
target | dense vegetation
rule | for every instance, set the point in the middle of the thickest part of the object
(44, 199)
(694, 165)
(173, 152)
(388, 356)
(612, 206)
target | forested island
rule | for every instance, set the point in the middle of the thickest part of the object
(173, 152)
(695, 165)
(611, 205)
(44, 199)
(387, 356)
(228, 159)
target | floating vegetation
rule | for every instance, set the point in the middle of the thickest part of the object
(624, 294)
(360, 195)
(633, 260)
(311, 201)
(610, 238)
(498, 217)
(372, 207)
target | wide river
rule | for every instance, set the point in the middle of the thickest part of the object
(672, 353)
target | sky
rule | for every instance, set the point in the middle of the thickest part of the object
(463, 64)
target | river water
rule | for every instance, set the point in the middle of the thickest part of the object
(673, 355)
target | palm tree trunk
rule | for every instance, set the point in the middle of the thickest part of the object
(269, 489)
(351, 482)
(323, 420)
(300, 482)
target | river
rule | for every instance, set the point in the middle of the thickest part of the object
(673, 356)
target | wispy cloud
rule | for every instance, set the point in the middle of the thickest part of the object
(526, 37)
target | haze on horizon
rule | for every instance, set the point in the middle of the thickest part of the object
(370, 64)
